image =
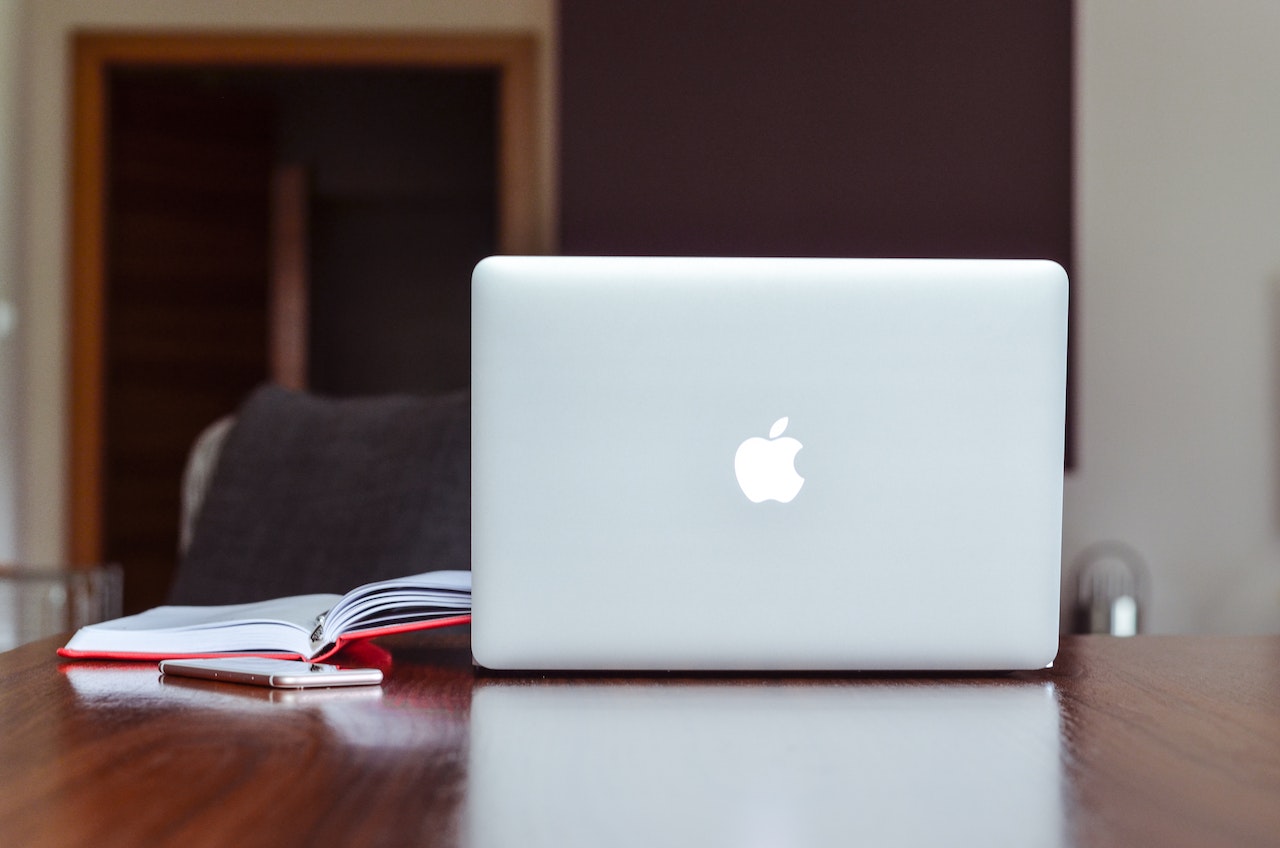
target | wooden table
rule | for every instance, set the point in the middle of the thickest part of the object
(1148, 741)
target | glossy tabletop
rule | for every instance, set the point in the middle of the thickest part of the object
(1146, 741)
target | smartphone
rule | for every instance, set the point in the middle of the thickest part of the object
(278, 674)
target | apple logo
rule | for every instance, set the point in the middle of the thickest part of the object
(766, 468)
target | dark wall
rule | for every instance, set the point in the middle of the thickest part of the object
(804, 127)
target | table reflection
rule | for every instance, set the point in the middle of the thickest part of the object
(365, 717)
(765, 765)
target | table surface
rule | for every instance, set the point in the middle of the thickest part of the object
(1146, 741)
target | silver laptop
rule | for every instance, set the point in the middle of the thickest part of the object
(755, 464)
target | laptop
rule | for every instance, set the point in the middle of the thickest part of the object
(767, 464)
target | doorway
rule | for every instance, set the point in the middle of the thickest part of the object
(366, 174)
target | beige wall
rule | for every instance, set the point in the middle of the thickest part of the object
(1178, 320)
(42, 294)
(10, 69)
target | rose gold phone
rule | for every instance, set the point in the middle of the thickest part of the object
(279, 674)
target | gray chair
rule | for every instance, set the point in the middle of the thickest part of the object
(197, 476)
(299, 494)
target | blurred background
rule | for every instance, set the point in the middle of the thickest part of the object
(196, 196)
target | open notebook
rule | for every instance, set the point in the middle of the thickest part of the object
(309, 627)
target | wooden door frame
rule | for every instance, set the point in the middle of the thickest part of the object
(514, 57)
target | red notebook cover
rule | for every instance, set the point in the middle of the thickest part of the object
(342, 642)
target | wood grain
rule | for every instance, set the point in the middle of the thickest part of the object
(288, 314)
(1162, 741)
(1173, 740)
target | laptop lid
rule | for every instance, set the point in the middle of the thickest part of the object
(766, 463)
